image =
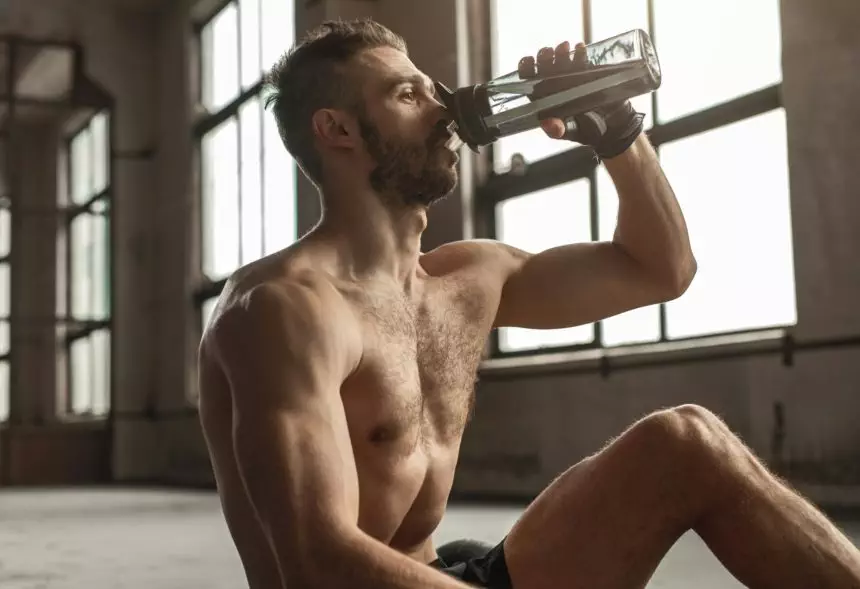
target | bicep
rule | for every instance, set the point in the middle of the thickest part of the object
(571, 285)
(289, 431)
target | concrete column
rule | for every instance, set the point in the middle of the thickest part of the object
(820, 82)
(33, 273)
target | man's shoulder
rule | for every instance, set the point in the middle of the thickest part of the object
(285, 295)
(302, 294)
(487, 256)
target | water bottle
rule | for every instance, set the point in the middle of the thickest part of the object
(615, 69)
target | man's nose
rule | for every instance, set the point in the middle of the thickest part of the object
(442, 92)
(443, 115)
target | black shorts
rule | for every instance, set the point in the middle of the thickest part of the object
(475, 563)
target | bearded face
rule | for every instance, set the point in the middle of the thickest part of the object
(416, 171)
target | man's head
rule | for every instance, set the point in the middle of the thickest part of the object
(348, 100)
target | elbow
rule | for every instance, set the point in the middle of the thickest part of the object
(679, 278)
(330, 560)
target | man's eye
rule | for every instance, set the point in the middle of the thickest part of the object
(408, 95)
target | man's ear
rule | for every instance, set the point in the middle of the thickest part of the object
(334, 128)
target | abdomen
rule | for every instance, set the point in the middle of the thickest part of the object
(405, 507)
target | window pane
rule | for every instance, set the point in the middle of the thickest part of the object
(4, 391)
(536, 222)
(639, 325)
(5, 232)
(81, 272)
(249, 15)
(5, 287)
(712, 55)
(738, 213)
(81, 366)
(517, 33)
(219, 59)
(100, 371)
(101, 152)
(252, 198)
(4, 337)
(81, 167)
(278, 29)
(612, 17)
(101, 272)
(279, 189)
(220, 200)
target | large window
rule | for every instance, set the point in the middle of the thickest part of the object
(5, 244)
(707, 118)
(85, 312)
(247, 178)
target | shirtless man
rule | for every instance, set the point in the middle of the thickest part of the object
(337, 376)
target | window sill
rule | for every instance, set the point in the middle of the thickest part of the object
(62, 423)
(605, 360)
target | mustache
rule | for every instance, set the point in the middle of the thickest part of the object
(440, 135)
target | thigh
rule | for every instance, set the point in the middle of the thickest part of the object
(606, 522)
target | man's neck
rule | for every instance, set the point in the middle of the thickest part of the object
(375, 237)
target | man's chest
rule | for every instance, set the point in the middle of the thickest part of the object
(421, 356)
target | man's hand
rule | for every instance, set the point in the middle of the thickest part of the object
(609, 129)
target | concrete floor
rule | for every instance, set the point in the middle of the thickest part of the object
(94, 539)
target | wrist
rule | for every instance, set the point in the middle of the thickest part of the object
(622, 134)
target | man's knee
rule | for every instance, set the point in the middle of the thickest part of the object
(693, 432)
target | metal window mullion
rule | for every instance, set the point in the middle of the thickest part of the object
(262, 116)
(12, 188)
(238, 46)
(594, 211)
(202, 63)
(662, 318)
(206, 124)
(67, 347)
(262, 167)
(586, 22)
(70, 388)
(90, 315)
(239, 166)
(594, 216)
(239, 193)
(651, 30)
(91, 200)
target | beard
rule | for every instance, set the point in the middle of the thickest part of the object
(412, 172)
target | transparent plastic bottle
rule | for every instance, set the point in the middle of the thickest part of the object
(606, 71)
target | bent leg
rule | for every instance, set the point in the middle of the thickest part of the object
(608, 521)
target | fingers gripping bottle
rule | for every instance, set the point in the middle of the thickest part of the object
(597, 74)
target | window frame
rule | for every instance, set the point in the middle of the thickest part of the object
(6, 261)
(208, 288)
(579, 163)
(6, 357)
(74, 329)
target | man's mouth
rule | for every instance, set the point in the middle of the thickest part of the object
(453, 142)
(447, 138)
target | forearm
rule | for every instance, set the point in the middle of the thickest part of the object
(651, 226)
(358, 561)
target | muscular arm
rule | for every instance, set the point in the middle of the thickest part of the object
(285, 356)
(648, 261)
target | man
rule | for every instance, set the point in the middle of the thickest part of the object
(337, 376)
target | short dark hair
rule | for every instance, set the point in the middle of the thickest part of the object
(311, 76)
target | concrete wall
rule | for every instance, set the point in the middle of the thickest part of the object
(527, 428)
